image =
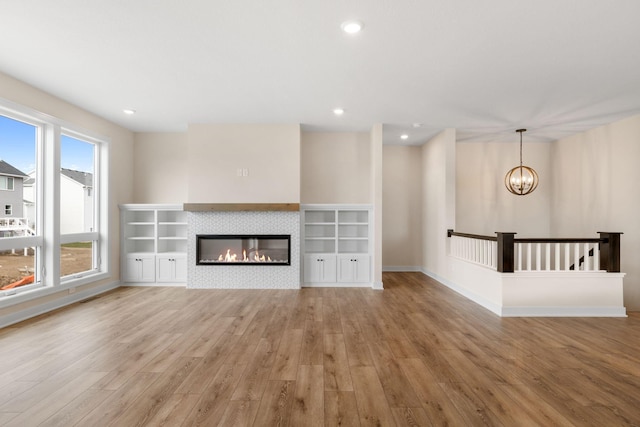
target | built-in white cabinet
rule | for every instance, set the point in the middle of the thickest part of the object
(171, 268)
(153, 243)
(337, 245)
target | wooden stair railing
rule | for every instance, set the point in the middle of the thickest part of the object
(608, 245)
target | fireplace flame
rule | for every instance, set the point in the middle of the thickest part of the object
(231, 257)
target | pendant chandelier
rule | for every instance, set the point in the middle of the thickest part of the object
(521, 180)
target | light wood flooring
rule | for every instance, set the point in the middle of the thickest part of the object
(414, 354)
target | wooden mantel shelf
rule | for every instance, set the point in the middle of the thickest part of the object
(241, 207)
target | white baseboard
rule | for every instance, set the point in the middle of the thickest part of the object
(336, 285)
(564, 312)
(156, 284)
(378, 286)
(46, 307)
(492, 307)
(401, 269)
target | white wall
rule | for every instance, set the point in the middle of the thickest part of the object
(160, 168)
(402, 207)
(596, 187)
(335, 167)
(484, 205)
(269, 153)
(439, 195)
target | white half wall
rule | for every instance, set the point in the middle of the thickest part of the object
(532, 294)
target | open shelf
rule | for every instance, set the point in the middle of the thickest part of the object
(150, 234)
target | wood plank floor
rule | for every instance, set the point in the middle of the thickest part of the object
(415, 354)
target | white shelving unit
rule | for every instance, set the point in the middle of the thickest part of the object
(154, 244)
(337, 245)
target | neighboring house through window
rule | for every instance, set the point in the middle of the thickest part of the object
(8, 210)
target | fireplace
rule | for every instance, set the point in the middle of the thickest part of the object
(243, 249)
(242, 223)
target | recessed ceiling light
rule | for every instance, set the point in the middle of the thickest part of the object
(338, 111)
(351, 27)
(129, 111)
(404, 136)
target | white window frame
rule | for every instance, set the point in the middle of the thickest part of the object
(93, 236)
(8, 210)
(48, 239)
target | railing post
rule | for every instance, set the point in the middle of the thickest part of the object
(506, 252)
(610, 251)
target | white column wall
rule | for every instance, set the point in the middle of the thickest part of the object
(438, 183)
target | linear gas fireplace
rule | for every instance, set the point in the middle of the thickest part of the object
(243, 249)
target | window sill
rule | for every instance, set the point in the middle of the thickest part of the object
(43, 291)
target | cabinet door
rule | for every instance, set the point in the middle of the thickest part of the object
(130, 269)
(329, 273)
(354, 269)
(147, 269)
(171, 268)
(319, 268)
(139, 268)
(165, 268)
(180, 269)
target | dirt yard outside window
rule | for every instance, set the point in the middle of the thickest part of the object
(12, 267)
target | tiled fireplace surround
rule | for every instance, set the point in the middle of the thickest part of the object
(250, 276)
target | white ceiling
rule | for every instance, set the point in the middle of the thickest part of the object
(556, 67)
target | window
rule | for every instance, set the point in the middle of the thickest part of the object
(78, 251)
(19, 146)
(58, 226)
(6, 183)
